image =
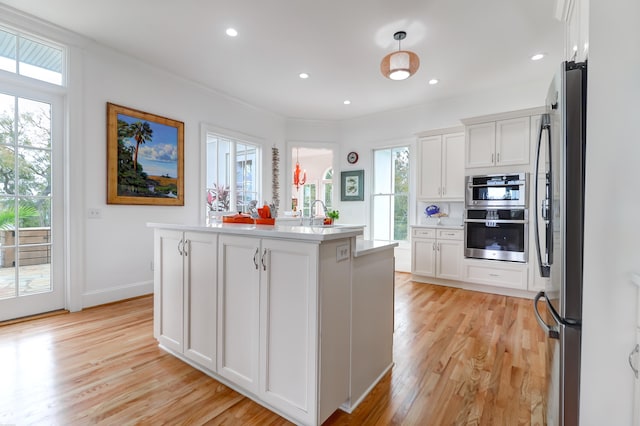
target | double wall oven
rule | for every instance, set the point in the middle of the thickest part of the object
(496, 223)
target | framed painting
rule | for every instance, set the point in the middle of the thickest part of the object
(352, 185)
(145, 158)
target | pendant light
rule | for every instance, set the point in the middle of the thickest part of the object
(402, 64)
(299, 180)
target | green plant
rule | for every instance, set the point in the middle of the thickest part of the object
(333, 214)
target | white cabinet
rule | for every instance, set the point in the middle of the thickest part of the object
(185, 292)
(576, 15)
(267, 317)
(437, 253)
(498, 143)
(441, 166)
(238, 310)
(496, 273)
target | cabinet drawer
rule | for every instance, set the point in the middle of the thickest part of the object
(450, 234)
(511, 276)
(424, 233)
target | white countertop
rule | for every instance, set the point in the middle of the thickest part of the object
(364, 247)
(304, 233)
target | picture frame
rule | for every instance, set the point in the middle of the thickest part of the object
(352, 185)
(145, 158)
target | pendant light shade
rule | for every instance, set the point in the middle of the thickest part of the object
(399, 65)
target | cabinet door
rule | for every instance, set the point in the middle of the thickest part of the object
(512, 141)
(453, 166)
(449, 259)
(423, 257)
(168, 289)
(289, 272)
(430, 167)
(480, 145)
(238, 308)
(200, 297)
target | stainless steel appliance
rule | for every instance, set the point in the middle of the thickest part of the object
(496, 222)
(559, 237)
(496, 234)
(497, 190)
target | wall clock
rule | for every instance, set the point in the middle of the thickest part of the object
(352, 157)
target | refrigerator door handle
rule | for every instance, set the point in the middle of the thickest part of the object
(550, 330)
(545, 267)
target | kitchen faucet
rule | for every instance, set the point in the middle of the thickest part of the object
(312, 212)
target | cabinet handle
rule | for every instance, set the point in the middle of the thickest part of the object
(255, 257)
(438, 247)
(633, 352)
(439, 190)
(492, 157)
(264, 265)
(494, 275)
(444, 190)
(434, 246)
(180, 245)
(497, 157)
(185, 247)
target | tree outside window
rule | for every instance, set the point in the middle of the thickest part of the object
(390, 221)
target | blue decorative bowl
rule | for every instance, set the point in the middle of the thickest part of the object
(431, 210)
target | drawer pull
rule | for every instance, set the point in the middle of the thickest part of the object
(633, 352)
(494, 275)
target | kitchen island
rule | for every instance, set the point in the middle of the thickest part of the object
(298, 318)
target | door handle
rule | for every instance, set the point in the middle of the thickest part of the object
(633, 352)
(549, 330)
(545, 266)
(255, 257)
(264, 265)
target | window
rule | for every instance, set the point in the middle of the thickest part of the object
(327, 187)
(232, 173)
(309, 196)
(29, 57)
(390, 194)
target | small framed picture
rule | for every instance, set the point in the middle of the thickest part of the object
(352, 185)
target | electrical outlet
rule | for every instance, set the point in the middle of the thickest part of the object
(94, 214)
(342, 252)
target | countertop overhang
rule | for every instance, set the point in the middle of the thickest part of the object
(297, 232)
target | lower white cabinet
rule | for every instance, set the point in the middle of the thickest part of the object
(185, 290)
(437, 253)
(500, 274)
(268, 313)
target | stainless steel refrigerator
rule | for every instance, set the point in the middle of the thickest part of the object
(559, 230)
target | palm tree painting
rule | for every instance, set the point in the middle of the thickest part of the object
(145, 164)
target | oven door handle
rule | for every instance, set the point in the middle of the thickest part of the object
(515, 222)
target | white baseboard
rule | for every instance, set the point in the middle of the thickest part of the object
(100, 297)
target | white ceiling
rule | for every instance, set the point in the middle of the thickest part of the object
(469, 45)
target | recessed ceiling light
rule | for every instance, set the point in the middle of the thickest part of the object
(347, 102)
(231, 32)
(537, 56)
(433, 81)
(304, 75)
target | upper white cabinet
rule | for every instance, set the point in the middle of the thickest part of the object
(575, 14)
(441, 165)
(185, 291)
(499, 143)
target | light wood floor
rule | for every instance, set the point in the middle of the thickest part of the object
(461, 358)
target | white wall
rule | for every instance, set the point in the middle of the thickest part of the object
(119, 247)
(612, 235)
